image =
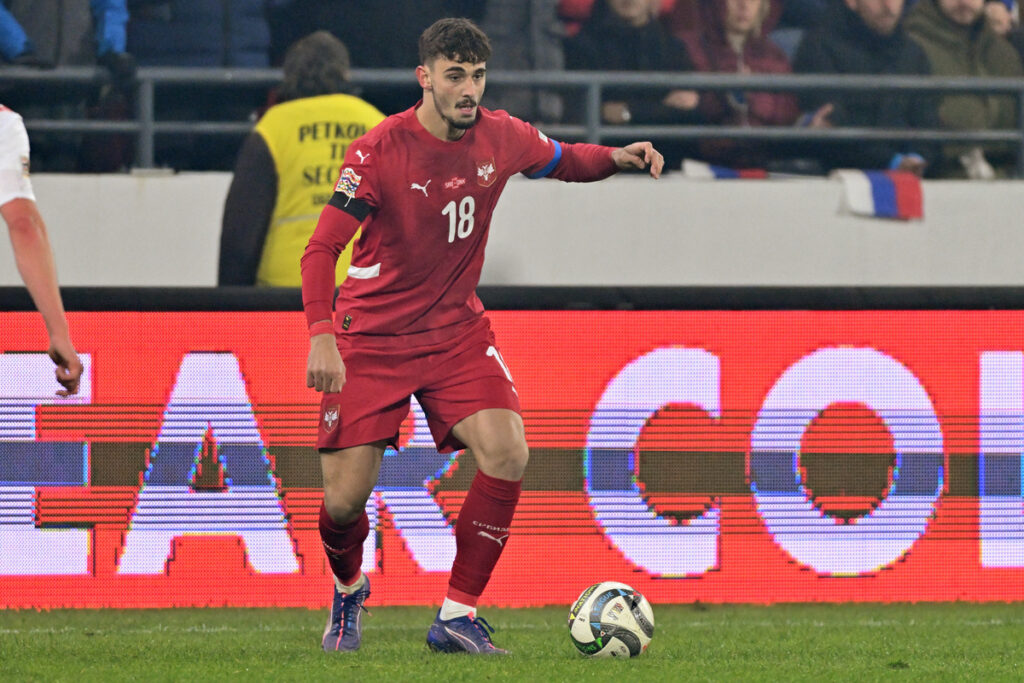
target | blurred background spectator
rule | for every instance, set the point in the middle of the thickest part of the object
(288, 165)
(673, 36)
(866, 37)
(959, 41)
(74, 33)
(525, 35)
(624, 35)
(200, 33)
(378, 35)
(226, 33)
(731, 39)
(15, 46)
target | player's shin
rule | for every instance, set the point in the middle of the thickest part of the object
(481, 535)
(343, 544)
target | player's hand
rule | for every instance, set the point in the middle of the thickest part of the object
(325, 370)
(639, 155)
(69, 367)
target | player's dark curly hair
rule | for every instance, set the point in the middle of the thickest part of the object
(457, 39)
(315, 65)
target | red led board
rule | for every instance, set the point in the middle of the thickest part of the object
(730, 456)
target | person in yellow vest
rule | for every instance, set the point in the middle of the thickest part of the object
(287, 167)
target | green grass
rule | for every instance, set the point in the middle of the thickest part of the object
(784, 642)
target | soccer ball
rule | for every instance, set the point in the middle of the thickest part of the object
(610, 619)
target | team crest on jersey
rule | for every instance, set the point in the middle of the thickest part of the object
(485, 174)
(455, 183)
(330, 418)
(348, 182)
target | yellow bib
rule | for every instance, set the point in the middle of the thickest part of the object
(307, 139)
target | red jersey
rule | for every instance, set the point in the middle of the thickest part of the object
(425, 206)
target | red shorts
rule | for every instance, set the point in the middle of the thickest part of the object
(453, 374)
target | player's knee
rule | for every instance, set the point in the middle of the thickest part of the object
(343, 510)
(505, 461)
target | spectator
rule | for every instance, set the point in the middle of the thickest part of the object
(525, 36)
(74, 33)
(959, 42)
(378, 35)
(199, 33)
(15, 45)
(288, 165)
(795, 18)
(867, 37)
(574, 12)
(623, 35)
(32, 247)
(732, 41)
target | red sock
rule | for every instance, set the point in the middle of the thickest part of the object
(344, 544)
(480, 535)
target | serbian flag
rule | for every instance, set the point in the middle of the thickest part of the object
(882, 194)
(702, 171)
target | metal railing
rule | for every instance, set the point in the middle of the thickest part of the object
(146, 125)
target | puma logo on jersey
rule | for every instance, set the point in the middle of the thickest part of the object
(500, 540)
(422, 188)
(362, 157)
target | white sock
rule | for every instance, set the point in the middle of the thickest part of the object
(356, 585)
(453, 610)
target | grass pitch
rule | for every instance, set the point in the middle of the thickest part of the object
(783, 642)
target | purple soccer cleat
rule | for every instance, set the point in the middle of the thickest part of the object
(462, 634)
(344, 630)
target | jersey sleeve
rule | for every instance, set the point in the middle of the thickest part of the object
(356, 196)
(542, 157)
(357, 191)
(14, 156)
(538, 154)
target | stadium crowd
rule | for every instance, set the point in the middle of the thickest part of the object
(881, 37)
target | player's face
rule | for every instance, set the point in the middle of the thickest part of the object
(456, 88)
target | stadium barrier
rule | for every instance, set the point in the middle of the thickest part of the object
(624, 231)
(590, 85)
(722, 445)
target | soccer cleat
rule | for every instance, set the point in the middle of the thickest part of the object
(344, 630)
(462, 634)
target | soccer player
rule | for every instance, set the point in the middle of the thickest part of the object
(407, 321)
(32, 251)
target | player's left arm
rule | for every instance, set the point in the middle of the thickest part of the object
(580, 162)
(583, 162)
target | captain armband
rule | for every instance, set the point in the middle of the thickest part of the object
(357, 208)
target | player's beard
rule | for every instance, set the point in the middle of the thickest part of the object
(452, 121)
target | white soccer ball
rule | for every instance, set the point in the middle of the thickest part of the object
(611, 619)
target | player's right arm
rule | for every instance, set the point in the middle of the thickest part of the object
(325, 371)
(34, 259)
(349, 207)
